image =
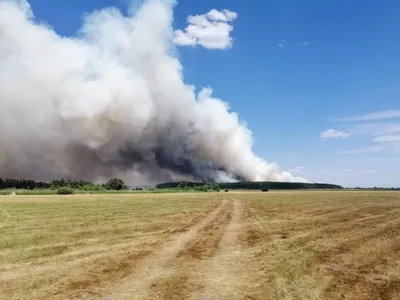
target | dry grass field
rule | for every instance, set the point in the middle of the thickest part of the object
(205, 246)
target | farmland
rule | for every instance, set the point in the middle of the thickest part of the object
(236, 245)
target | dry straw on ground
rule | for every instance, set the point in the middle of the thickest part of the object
(276, 245)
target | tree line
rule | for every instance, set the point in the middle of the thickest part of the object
(118, 184)
(252, 185)
(203, 187)
(265, 185)
(112, 184)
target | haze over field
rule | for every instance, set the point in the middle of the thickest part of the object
(112, 102)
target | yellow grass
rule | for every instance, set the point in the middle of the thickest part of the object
(236, 245)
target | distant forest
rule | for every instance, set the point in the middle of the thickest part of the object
(112, 184)
(118, 184)
(253, 185)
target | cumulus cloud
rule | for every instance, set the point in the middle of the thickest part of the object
(388, 114)
(334, 134)
(113, 102)
(224, 16)
(211, 30)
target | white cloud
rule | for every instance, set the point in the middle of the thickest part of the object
(388, 114)
(224, 16)
(334, 134)
(183, 39)
(210, 30)
(305, 43)
(387, 139)
(365, 149)
(282, 44)
(375, 129)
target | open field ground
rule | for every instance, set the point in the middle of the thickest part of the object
(204, 246)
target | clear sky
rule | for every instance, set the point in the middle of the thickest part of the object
(317, 82)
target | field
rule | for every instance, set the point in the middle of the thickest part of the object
(201, 246)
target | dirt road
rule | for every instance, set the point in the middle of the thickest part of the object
(200, 263)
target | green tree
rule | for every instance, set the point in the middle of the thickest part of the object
(65, 191)
(115, 184)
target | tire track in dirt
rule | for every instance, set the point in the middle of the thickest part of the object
(183, 278)
(208, 239)
(160, 265)
(222, 275)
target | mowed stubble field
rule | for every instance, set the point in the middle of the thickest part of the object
(201, 246)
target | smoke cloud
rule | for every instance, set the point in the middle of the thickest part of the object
(112, 101)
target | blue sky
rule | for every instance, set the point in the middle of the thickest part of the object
(317, 82)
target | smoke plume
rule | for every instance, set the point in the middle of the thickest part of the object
(112, 101)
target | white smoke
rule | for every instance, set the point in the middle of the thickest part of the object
(112, 102)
